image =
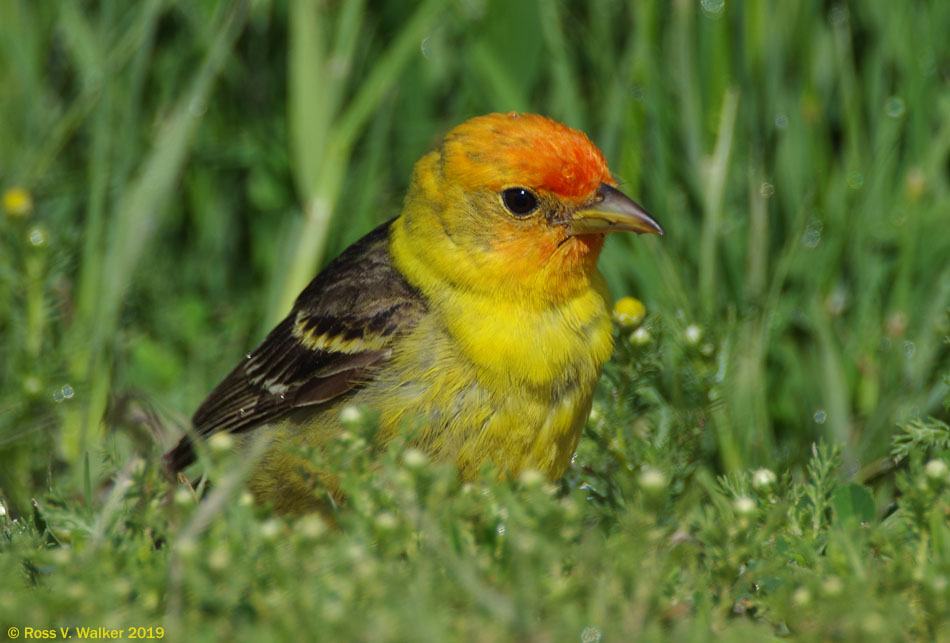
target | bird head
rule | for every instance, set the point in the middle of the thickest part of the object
(517, 202)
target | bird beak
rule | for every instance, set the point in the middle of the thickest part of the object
(613, 211)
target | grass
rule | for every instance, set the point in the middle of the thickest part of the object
(764, 458)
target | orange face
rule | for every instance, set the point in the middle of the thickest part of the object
(522, 201)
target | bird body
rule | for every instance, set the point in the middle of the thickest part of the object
(476, 319)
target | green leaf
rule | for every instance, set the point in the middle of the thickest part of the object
(853, 502)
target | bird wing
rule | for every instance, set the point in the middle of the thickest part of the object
(342, 326)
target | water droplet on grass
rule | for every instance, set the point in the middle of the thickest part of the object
(894, 107)
(68, 392)
(781, 121)
(812, 235)
(37, 236)
(909, 349)
(713, 7)
(766, 189)
(820, 416)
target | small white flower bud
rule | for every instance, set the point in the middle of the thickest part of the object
(351, 415)
(640, 337)
(801, 596)
(763, 479)
(936, 470)
(221, 443)
(414, 458)
(653, 480)
(693, 334)
(744, 506)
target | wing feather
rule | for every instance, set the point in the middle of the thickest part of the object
(340, 330)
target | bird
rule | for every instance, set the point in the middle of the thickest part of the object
(477, 318)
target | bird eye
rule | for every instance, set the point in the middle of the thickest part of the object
(519, 200)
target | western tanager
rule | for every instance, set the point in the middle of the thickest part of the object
(477, 316)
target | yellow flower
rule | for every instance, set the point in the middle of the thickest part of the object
(17, 202)
(629, 311)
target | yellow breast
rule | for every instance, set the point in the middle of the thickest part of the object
(496, 383)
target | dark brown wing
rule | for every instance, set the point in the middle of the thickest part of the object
(341, 327)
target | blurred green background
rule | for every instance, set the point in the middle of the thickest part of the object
(174, 172)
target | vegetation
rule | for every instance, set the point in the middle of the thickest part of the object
(768, 453)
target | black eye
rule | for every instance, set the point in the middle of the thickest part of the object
(519, 200)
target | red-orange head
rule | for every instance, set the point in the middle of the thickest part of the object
(517, 201)
(499, 150)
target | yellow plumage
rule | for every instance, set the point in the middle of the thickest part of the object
(478, 316)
